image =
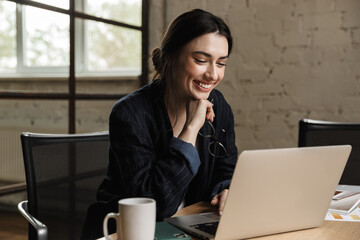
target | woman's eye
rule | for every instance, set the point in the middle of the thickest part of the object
(199, 60)
(221, 64)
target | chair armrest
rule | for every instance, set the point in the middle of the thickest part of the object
(41, 229)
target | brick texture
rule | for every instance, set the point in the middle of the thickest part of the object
(291, 59)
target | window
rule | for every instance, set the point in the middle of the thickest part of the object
(76, 50)
(7, 36)
(35, 37)
(63, 64)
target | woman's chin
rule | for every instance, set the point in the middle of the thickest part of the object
(201, 96)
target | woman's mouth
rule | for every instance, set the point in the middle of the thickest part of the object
(203, 85)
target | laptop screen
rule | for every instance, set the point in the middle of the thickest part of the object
(350, 179)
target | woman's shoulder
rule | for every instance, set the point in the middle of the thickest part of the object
(140, 99)
(138, 112)
(217, 97)
(216, 92)
(221, 107)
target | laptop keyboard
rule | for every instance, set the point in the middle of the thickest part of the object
(207, 227)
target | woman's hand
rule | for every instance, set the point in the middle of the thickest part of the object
(197, 111)
(219, 200)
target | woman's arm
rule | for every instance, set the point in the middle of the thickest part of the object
(224, 167)
(136, 169)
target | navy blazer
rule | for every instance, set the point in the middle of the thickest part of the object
(146, 160)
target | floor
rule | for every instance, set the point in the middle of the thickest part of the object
(12, 226)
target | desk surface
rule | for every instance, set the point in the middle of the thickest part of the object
(329, 230)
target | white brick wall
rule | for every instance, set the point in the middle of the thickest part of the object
(314, 6)
(291, 59)
(347, 5)
(356, 38)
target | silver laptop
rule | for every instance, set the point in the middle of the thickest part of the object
(274, 191)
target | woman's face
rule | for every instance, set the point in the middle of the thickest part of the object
(200, 66)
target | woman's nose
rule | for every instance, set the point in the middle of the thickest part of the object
(211, 73)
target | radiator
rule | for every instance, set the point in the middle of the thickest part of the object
(11, 160)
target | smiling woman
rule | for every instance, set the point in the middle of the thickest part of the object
(200, 66)
(156, 149)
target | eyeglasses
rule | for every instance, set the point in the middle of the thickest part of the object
(216, 148)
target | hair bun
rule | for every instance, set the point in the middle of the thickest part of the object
(156, 59)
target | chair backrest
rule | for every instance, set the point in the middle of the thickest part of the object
(63, 172)
(322, 133)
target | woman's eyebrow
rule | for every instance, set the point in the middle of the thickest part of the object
(209, 55)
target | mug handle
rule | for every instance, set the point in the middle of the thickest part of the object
(105, 224)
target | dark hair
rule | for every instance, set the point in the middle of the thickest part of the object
(181, 31)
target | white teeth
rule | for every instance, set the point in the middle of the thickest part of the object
(204, 85)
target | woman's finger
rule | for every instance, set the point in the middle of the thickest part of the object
(223, 196)
(215, 200)
(210, 115)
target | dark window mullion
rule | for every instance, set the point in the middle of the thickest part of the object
(58, 96)
(144, 42)
(41, 5)
(108, 21)
(72, 80)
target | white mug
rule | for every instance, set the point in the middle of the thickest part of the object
(135, 221)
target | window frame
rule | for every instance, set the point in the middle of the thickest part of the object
(71, 77)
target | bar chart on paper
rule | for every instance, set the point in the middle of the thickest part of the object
(344, 207)
(352, 217)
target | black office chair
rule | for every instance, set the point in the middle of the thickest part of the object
(63, 172)
(322, 133)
